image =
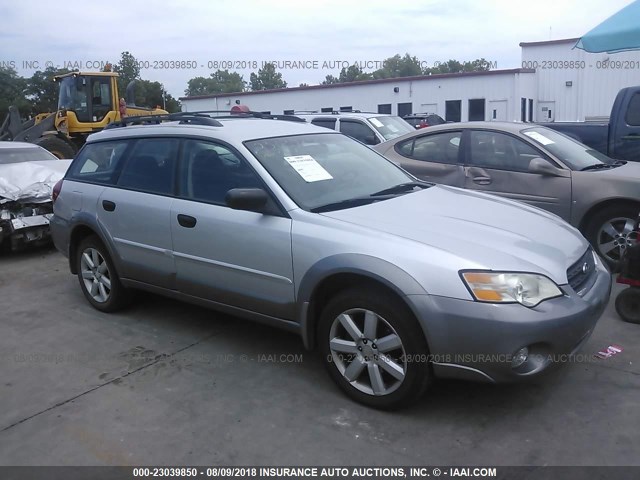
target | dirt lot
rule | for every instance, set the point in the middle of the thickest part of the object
(167, 383)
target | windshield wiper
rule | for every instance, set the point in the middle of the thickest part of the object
(349, 202)
(597, 166)
(402, 187)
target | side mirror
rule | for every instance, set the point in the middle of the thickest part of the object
(544, 167)
(251, 199)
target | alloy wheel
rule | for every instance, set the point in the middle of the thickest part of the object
(615, 236)
(367, 352)
(95, 275)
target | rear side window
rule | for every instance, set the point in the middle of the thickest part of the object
(99, 162)
(439, 147)
(325, 122)
(150, 166)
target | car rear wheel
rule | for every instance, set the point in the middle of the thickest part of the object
(374, 349)
(97, 276)
(612, 230)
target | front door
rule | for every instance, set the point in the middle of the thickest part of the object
(498, 163)
(234, 257)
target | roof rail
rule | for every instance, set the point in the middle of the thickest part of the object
(203, 117)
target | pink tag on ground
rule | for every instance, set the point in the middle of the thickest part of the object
(610, 351)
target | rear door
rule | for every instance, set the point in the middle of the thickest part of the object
(233, 257)
(136, 211)
(498, 163)
(433, 157)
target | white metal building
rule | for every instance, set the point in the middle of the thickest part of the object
(555, 83)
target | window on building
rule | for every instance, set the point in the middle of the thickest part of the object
(476, 109)
(346, 109)
(405, 109)
(530, 116)
(523, 109)
(326, 109)
(384, 108)
(288, 112)
(267, 112)
(453, 110)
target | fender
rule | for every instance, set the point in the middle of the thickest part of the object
(374, 268)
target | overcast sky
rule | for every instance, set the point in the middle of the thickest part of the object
(207, 31)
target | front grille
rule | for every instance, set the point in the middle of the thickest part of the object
(582, 273)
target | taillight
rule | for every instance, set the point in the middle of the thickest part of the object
(56, 190)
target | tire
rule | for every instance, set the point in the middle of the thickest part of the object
(57, 146)
(628, 305)
(622, 219)
(354, 364)
(97, 276)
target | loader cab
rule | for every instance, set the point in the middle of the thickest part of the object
(87, 101)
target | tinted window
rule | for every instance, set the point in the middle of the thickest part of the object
(359, 131)
(384, 108)
(453, 110)
(440, 147)
(633, 114)
(476, 109)
(500, 151)
(150, 166)
(325, 122)
(99, 162)
(209, 170)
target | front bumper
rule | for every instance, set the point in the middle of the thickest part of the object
(477, 341)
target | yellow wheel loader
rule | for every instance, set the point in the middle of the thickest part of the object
(87, 102)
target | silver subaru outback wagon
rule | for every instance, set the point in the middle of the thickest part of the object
(394, 280)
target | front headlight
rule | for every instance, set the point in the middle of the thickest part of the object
(528, 289)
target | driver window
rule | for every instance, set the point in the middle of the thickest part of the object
(500, 151)
(209, 170)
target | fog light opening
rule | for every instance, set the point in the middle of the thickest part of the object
(520, 357)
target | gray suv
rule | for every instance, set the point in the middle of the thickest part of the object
(394, 280)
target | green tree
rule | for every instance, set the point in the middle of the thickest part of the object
(152, 94)
(43, 91)
(220, 81)
(397, 66)
(353, 74)
(455, 66)
(330, 80)
(12, 92)
(266, 79)
(129, 69)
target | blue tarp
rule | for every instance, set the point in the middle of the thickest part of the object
(617, 33)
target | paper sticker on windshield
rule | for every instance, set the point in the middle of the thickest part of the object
(376, 122)
(308, 168)
(538, 137)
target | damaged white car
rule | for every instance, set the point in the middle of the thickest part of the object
(28, 174)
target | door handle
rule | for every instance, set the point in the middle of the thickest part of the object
(482, 180)
(187, 221)
(108, 205)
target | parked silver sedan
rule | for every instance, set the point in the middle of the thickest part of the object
(533, 164)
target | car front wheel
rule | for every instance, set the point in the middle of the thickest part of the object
(611, 231)
(374, 349)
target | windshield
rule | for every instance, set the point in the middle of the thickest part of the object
(72, 98)
(19, 155)
(322, 169)
(574, 154)
(391, 127)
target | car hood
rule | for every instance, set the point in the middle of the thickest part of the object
(30, 182)
(480, 230)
